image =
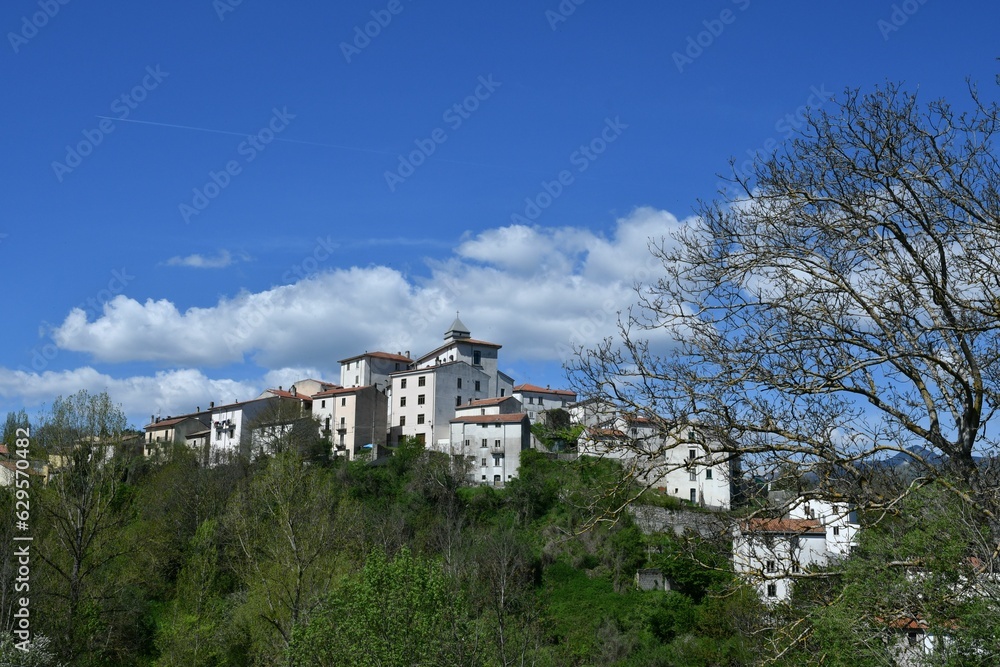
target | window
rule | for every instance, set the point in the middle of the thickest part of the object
(341, 421)
(402, 383)
(836, 530)
(502, 392)
(355, 380)
(477, 385)
(693, 495)
(458, 401)
(772, 566)
(772, 590)
(477, 358)
(496, 480)
(708, 473)
(422, 380)
(484, 463)
(402, 420)
(484, 442)
(691, 454)
(692, 476)
(467, 443)
(496, 460)
(343, 402)
(484, 478)
(420, 418)
(691, 437)
(397, 365)
(459, 383)
(322, 403)
(795, 567)
(531, 401)
(539, 398)
(496, 443)
(402, 401)
(420, 399)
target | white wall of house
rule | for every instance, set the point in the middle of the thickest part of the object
(537, 400)
(770, 559)
(493, 445)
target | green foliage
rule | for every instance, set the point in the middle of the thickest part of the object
(398, 612)
(39, 653)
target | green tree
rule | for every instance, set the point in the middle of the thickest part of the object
(283, 538)
(397, 612)
(82, 517)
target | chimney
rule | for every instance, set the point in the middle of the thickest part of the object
(294, 393)
(211, 404)
(152, 419)
(197, 409)
(407, 354)
(279, 387)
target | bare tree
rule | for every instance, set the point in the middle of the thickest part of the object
(841, 312)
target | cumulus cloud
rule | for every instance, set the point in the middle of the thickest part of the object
(536, 290)
(166, 393)
(196, 261)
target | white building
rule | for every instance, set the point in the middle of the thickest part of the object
(686, 463)
(372, 368)
(351, 418)
(770, 553)
(536, 400)
(491, 442)
(424, 397)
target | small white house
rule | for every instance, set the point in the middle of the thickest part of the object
(492, 443)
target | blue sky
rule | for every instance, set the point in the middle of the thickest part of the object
(204, 199)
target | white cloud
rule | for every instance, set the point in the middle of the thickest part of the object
(166, 393)
(538, 291)
(196, 261)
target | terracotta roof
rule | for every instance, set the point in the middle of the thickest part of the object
(287, 394)
(425, 369)
(378, 355)
(197, 434)
(605, 432)
(458, 341)
(544, 390)
(491, 419)
(483, 402)
(340, 390)
(166, 423)
(784, 526)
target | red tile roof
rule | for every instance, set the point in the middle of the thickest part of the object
(483, 402)
(166, 423)
(340, 390)
(534, 388)
(287, 394)
(378, 355)
(491, 419)
(784, 526)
